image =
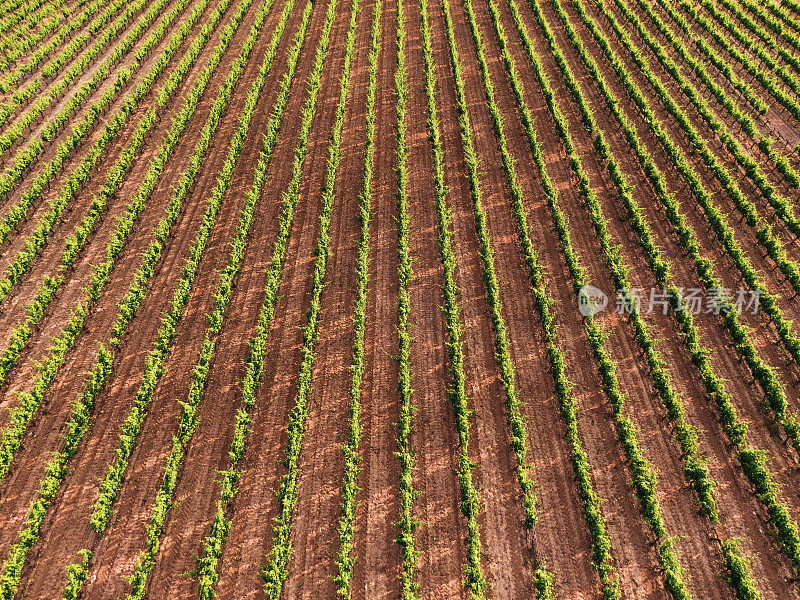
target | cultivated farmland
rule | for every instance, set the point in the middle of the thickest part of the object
(401, 299)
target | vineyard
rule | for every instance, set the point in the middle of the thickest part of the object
(413, 299)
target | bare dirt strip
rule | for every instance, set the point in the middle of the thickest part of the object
(76, 157)
(377, 567)
(14, 309)
(60, 102)
(45, 430)
(255, 505)
(737, 501)
(78, 497)
(721, 114)
(119, 546)
(55, 52)
(749, 402)
(644, 406)
(67, 9)
(634, 554)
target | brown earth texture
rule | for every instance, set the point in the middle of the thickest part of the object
(382, 299)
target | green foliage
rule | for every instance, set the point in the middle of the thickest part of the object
(750, 66)
(76, 575)
(543, 580)
(644, 477)
(207, 574)
(11, 437)
(345, 561)
(745, 122)
(407, 524)
(37, 240)
(103, 368)
(154, 367)
(68, 51)
(502, 343)
(50, 17)
(739, 575)
(756, 470)
(763, 232)
(276, 570)
(765, 375)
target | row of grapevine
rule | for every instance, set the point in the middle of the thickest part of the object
(276, 571)
(39, 237)
(644, 475)
(54, 474)
(27, 23)
(737, 568)
(747, 124)
(36, 308)
(772, 386)
(695, 468)
(644, 478)
(212, 545)
(32, 32)
(30, 23)
(729, 24)
(766, 80)
(602, 559)
(407, 524)
(13, 19)
(64, 33)
(76, 575)
(188, 408)
(782, 14)
(792, 5)
(154, 368)
(71, 51)
(756, 470)
(502, 344)
(28, 154)
(30, 117)
(542, 579)
(772, 23)
(82, 408)
(765, 374)
(344, 560)
(21, 45)
(20, 415)
(9, 8)
(780, 203)
(722, 65)
(766, 38)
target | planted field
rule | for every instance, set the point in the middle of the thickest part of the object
(400, 299)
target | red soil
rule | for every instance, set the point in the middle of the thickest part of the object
(510, 552)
